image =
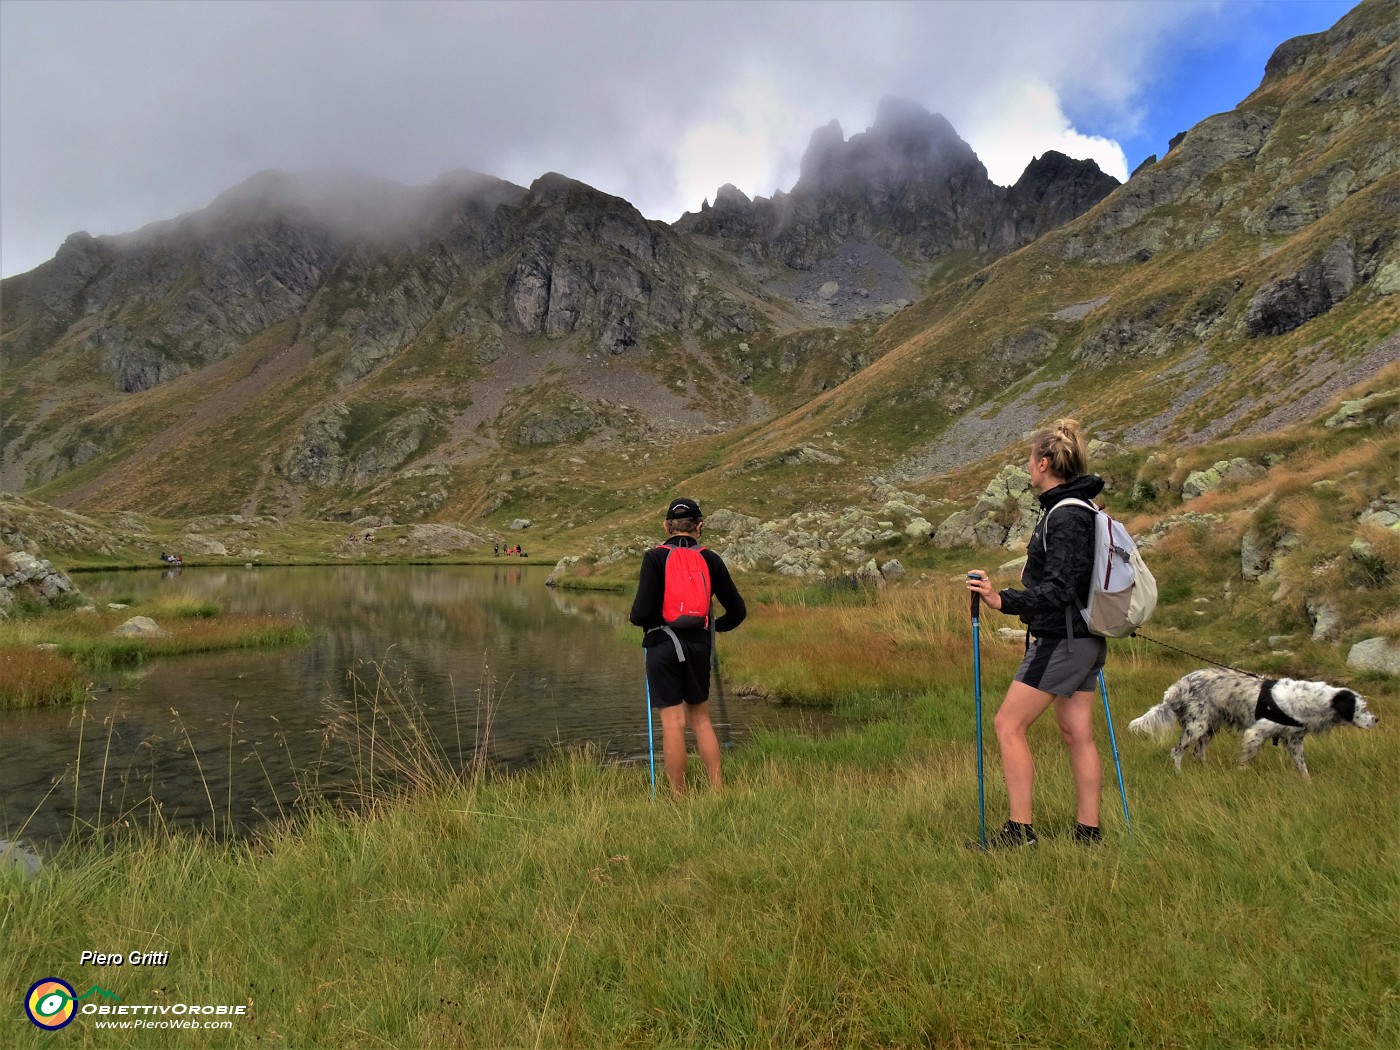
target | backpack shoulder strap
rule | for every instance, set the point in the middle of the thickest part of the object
(1073, 501)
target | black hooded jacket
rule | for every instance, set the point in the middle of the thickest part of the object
(1059, 563)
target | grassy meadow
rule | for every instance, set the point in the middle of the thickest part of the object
(824, 899)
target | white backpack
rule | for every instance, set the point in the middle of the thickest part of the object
(1123, 593)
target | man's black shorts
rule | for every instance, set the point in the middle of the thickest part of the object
(671, 682)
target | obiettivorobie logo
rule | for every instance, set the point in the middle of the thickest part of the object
(52, 1004)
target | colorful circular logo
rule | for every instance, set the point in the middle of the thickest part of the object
(51, 1003)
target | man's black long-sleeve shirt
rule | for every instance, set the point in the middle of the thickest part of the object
(646, 607)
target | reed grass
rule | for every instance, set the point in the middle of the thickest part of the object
(32, 677)
(890, 642)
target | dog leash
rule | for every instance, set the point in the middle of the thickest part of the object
(1197, 656)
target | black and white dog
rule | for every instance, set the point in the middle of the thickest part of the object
(1285, 710)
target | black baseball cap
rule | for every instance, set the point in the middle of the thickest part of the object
(683, 508)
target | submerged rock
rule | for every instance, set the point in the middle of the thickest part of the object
(13, 855)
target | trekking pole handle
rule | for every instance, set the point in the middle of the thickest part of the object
(976, 598)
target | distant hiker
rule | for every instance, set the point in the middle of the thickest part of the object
(495, 550)
(673, 605)
(1063, 659)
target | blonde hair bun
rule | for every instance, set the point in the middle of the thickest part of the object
(1063, 445)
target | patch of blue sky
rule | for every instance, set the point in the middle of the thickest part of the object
(1208, 65)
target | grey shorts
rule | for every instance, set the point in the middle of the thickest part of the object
(1063, 666)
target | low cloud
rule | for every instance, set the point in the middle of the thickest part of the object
(116, 115)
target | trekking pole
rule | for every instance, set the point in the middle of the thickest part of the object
(719, 684)
(977, 692)
(1113, 742)
(651, 742)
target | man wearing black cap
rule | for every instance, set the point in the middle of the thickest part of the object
(677, 641)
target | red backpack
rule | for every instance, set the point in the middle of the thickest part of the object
(686, 599)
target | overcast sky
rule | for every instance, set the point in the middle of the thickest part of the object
(114, 114)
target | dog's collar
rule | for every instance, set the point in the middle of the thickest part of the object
(1266, 706)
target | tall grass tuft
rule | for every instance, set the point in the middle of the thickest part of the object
(180, 607)
(825, 899)
(396, 743)
(33, 677)
(895, 641)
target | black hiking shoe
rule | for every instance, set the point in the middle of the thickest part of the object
(1011, 836)
(1086, 835)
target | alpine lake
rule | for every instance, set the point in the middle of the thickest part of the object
(453, 669)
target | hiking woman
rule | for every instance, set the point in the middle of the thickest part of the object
(1063, 658)
(677, 641)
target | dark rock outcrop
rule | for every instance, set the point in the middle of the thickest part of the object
(1286, 303)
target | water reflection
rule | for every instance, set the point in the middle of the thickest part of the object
(225, 740)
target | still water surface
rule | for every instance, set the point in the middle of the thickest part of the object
(223, 741)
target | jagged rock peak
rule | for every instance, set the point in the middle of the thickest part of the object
(905, 141)
(1055, 170)
(1053, 164)
(823, 148)
(730, 196)
(551, 186)
(898, 120)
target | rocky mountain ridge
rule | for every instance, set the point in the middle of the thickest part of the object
(908, 184)
(494, 345)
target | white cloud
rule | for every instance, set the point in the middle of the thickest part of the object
(713, 154)
(1021, 119)
(747, 139)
